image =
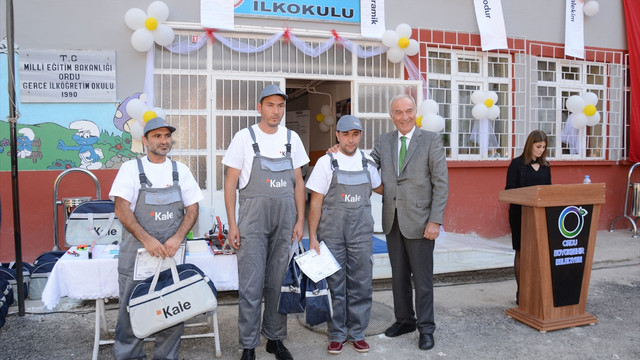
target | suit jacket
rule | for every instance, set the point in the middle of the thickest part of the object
(419, 194)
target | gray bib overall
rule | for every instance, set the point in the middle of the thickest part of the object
(266, 216)
(346, 227)
(159, 211)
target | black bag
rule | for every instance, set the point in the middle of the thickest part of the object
(43, 265)
(8, 272)
(6, 299)
(292, 290)
(318, 307)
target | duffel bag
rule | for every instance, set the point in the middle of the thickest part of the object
(91, 221)
(170, 297)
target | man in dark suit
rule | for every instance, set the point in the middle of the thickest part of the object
(416, 186)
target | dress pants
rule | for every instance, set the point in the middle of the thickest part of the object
(407, 257)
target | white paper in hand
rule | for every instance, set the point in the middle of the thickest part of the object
(318, 266)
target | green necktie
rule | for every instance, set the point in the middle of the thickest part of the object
(403, 152)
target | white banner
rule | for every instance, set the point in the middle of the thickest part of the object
(217, 14)
(372, 18)
(574, 29)
(491, 24)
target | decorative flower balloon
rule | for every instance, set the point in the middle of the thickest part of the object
(428, 118)
(399, 43)
(148, 27)
(591, 8)
(325, 119)
(141, 113)
(584, 111)
(485, 105)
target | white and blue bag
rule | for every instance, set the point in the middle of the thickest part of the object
(42, 267)
(318, 308)
(91, 221)
(292, 290)
(170, 297)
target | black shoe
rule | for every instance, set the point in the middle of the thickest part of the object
(398, 329)
(277, 348)
(426, 342)
(248, 354)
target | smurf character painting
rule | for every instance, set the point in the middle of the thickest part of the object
(24, 142)
(87, 134)
(126, 123)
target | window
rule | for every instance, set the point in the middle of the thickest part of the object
(452, 77)
(559, 79)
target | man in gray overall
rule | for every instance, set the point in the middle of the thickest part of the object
(156, 199)
(264, 162)
(340, 215)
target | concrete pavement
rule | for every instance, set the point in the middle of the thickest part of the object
(469, 308)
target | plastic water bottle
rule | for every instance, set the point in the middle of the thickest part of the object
(587, 180)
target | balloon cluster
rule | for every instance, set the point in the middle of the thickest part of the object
(591, 8)
(583, 110)
(485, 105)
(399, 43)
(325, 119)
(148, 27)
(428, 118)
(140, 113)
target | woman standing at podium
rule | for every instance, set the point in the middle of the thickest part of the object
(529, 169)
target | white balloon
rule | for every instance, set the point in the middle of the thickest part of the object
(591, 8)
(578, 120)
(590, 98)
(478, 97)
(493, 113)
(575, 103)
(134, 18)
(480, 111)
(404, 30)
(136, 130)
(163, 35)
(323, 127)
(493, 96)
(136, 108)
(429, 106)
(390, 38)
(142, 40)
(432, 122)
(325, 109)
(158, 10)
(159, 112)
(329, 120)
(413, 47)
(593, 119)
(395, 55)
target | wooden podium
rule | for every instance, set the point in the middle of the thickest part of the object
(559, 227)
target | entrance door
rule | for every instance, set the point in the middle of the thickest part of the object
(371, 101)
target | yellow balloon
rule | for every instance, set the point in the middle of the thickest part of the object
(403, 42)
(419, 121)
(589, 110)
(148, 115)
(319, 117)
(151, 23)
(488, 103)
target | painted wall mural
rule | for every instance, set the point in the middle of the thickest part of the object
(64, 136)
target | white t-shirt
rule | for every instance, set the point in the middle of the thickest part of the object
(127, 182)
(320, 178)
(240, 153)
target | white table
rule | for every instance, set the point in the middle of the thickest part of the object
(97, 278)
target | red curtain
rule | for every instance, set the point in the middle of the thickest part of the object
(632, 17)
